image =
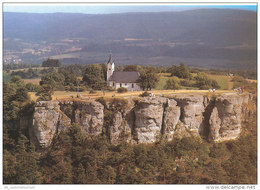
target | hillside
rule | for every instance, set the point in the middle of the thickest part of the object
(212, 38)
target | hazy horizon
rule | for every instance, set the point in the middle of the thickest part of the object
(88, 8)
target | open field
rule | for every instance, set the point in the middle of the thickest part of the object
(61, 95)
(34, 81)
(223, 81)
(33, 68)
(252, 81)
(6, 77)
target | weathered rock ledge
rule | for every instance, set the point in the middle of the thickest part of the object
(145, 120)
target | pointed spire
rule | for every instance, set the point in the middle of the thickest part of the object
(110, 58)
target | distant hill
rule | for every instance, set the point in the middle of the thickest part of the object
(203, 34)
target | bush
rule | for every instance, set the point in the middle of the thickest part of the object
(145, 94)
(92, 91)
(188, 83)
(173, 84)
(203, 82)
(32, 87)
(204, 87)
(109, 88)
(122, 90)
(82, 89)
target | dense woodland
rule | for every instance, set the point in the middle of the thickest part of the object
(74, 158)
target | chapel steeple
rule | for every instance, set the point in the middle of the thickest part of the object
(110, 67)
(110, 59)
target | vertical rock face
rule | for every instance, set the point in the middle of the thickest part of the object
(145, 120)
(90, 116)
(122, 125)
(192, 108)
(171, 117)
(149, 119)
(47, 121)
(120, 130)
(225, 119)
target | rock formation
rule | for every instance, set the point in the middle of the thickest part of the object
(225, 120)
(90, 116)
(171, 116)
(123, 121)
(145, 120)
(48, 120)
(149, 119)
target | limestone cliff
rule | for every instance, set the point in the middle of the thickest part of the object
(149, 119)
(48, 120)
(144, 120)
(225, 119)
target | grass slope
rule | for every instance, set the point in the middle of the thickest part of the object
(223, 81)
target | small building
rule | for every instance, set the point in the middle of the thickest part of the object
(126, 79)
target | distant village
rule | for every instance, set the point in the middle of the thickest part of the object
(24, 50)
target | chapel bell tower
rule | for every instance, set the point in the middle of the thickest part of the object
(110, 67)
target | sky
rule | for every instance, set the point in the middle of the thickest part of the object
(108, 8)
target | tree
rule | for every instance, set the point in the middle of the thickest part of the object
(172, 83)
(204, 82)
(181, 71)
(148, 80)
(22, 94)
(22, 164)
(122, 90)
(32, 87)
(14, 96)
(94, 76)
(51, 63)
(131, 68)
(75, 69)
(17, 80)
(108, 175)
(45, 92)
(55, 80)
(80, 175)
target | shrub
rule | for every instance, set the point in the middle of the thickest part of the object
(119, 103)
(108, 88)
(205, 87)
(92, 91)
(82, 89)
(144, 94)
(32, 87)
(172, 83)
(122, 90)
(188, 83)
(102, 101)
(203, 82)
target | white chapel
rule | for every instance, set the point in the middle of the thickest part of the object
(126, 79)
